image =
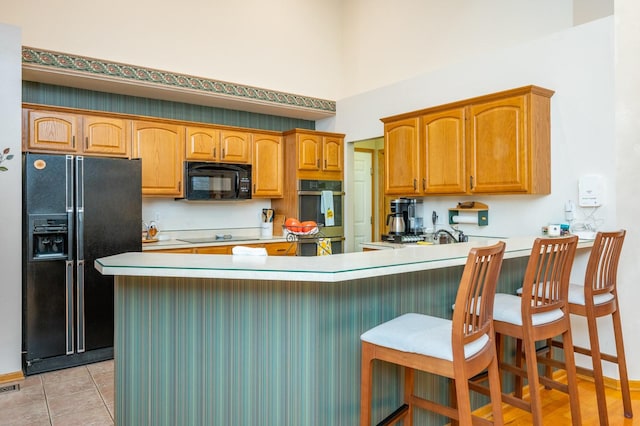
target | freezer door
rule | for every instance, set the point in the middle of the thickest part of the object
(108, 218)
(48, 282)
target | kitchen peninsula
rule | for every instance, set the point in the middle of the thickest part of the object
(244, 340)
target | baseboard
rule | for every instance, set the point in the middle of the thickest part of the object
(634, 385)
(11, 377)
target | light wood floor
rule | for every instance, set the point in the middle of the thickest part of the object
(84, 395)
(557, 413)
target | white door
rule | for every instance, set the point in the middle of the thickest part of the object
(363, 175)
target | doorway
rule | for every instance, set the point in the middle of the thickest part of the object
(368, 200)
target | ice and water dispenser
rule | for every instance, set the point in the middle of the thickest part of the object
(48, 237)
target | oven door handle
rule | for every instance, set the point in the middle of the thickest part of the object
(318, 193)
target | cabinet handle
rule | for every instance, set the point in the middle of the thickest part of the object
(73, 142)
(222, 153)
(214, 152)
(424, 184)
(254, 188)
(318, 163)
(470, 182)
(325, 164)
(86, 142)
(415, 184)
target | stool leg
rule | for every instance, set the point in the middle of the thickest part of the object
(622, 364)
(496, 392)
(408, 393)
(572, 380)
(596, 361)
(519, 383)
(532, 376)
(366, 375)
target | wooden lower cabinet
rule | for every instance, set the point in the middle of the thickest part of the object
(214, 250)
(273, 249)
(180, 250)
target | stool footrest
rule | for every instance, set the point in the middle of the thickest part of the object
(398, 414)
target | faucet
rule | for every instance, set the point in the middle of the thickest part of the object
(446, 237)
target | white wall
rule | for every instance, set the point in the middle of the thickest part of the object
(577, 63)
(173, 215)
(387, 41)
(286, 45)
(627, 149)
(10, 202)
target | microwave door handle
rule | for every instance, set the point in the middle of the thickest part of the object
(237, 184)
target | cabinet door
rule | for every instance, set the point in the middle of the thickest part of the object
(235, 146)
(161, 148)
(309, 150)
(332, 154)
(108, 136)
(281, 249)
(214, 250)
(402, 157)
(202, 144)
(177, 250)
(52, 131)
(498, 156)
(444, 152)
(268, 166)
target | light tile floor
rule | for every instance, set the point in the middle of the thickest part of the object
(73, 396)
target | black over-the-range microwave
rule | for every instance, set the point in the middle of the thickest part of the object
(217, 181)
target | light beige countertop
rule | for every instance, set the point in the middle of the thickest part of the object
(333, 268)
(174, 239)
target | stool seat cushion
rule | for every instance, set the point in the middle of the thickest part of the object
(506, 308)
(576, 296)
(421, 334)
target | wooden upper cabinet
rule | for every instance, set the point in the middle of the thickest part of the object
(317, 155)
(58, 131)
(494, 144)
(161, 148)
(402, 157)
(268, 166)
(309, 152)
(202, 144)
(332, 152)
(235, 146)
(51, 131)
(443, 139)
(106, 136)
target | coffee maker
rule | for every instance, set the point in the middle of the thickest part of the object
(409, 209)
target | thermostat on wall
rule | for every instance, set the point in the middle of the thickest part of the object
(590, 191)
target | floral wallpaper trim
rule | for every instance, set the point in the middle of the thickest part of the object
(116, 70)
(5, 156)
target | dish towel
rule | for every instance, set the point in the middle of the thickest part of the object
(326, 207)
(248, 251)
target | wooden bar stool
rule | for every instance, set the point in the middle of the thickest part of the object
(598, 298)
(541, 313)
(459, 348)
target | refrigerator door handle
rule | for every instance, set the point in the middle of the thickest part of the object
(80, 308)
(69, 183)
(69, 306)
(80, 208)
(80, 251)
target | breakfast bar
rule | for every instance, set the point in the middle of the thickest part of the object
(255, 340)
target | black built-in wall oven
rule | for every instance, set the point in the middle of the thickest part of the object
(310, 208)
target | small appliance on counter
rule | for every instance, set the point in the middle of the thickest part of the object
(404, 224)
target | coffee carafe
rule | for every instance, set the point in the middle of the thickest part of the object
(395, 222)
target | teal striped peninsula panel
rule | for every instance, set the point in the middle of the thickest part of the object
(241, 352)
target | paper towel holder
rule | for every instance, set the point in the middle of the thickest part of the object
(473, 212)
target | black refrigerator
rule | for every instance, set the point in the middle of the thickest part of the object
(75, 209)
